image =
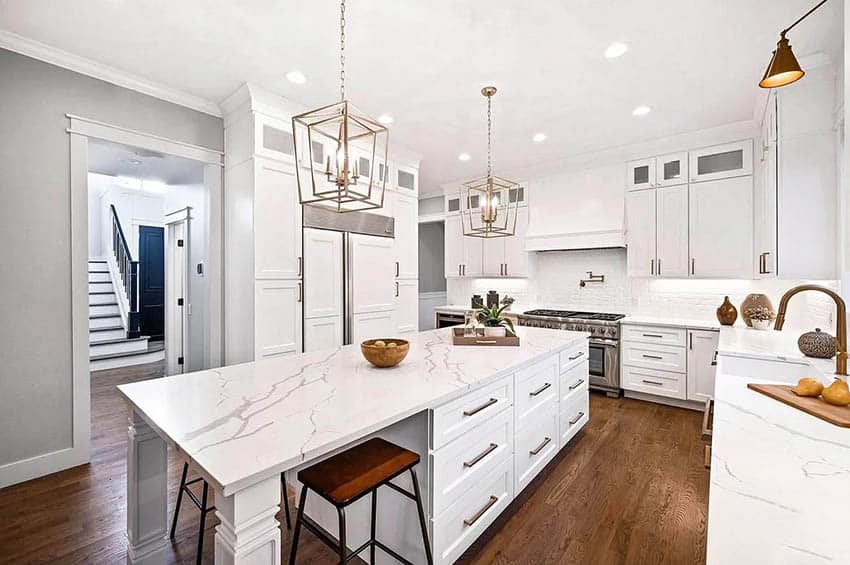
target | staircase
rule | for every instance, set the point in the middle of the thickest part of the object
(114, 340)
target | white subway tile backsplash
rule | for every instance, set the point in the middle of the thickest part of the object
(555, 277)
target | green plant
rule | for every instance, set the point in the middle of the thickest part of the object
(491, 317)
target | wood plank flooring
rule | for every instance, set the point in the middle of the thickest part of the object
(630, 488)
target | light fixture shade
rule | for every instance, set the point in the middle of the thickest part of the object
(346, 150)
(783, 68)
(491, 207)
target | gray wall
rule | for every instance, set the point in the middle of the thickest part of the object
(35, 289)
(431, 257)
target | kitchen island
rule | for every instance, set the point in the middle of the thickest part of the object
(780, 478)
(241, 426)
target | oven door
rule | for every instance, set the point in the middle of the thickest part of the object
(604, 361)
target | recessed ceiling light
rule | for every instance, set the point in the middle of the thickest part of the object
(538, 137)
(385, 119)
(134, 162)
(296, 77)
(464, 157)
(616, 49)
(641, 111)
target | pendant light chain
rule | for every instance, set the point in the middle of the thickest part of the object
(342, 50)
(489, 127)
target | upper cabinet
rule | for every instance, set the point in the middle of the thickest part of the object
(641, 174)
(405, 210)
(721, 161)
(672, 170)
(721, 228)
(406, 179)
(273, 138)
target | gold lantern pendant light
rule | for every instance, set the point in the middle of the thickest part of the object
(783, 68)
(496, 211)
(344, 148)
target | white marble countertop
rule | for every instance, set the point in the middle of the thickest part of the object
(244, 423)
(780, 478)
(696, 324)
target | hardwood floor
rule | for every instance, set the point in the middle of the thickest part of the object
(630, 488)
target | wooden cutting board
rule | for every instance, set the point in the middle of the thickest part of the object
(838, 415)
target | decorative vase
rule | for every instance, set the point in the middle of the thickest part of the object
(760, 324)
(727, 313)
(754, 301)
(494, 332)
(492, 299)
(817, 344)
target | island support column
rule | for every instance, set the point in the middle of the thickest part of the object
(147, 495)
(248, 532)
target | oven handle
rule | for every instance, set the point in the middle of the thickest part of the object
(605, 342)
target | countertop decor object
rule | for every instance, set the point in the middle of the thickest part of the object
(727, 313)
(385, 352)
(841, 322)
(492, 299)
(459, 337)
(837, 415)
(817, 344)
(754, 301)
(477, 301)
(493, 321)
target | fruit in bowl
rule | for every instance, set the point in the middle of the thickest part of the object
(385, 352)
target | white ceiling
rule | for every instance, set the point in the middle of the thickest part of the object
(695, 62)
(115, 160)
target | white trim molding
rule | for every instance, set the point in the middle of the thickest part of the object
(576, 240)
(60, 58)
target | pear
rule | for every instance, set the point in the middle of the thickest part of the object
(379, 343)
(808, 387)
(392, 344)
(837, 393)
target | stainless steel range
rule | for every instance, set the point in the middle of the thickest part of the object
(604, 330)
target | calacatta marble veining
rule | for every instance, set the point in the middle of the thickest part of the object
(244, 423)
(780, 478)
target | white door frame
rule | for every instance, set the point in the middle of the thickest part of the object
(177, 286)
(80, 131)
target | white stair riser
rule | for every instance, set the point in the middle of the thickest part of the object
(110, 334)
(104, 322)
(102, 298)
(99, 277)
(120, 347)
(95, 309)
(100, 287)
(126, 361)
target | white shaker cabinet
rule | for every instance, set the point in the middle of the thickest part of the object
(407, 305)
(702, 345)
(277, 221)
(721, 161)
(322, 273)
(322, 333)
(374, 292)
(640, 174)
(721, 228)
(672, 169)
(405, 210)
(277, 318)
(640, 234)
(463, 255)
(506, 256)
(671, 205)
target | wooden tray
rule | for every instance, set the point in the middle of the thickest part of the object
(838, 415)
(510, 339)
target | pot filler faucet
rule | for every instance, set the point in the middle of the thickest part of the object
(841, 323)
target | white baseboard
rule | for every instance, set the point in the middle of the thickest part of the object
(40, 465)
(689, 404)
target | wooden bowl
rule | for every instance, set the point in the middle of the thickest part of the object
(383, 356)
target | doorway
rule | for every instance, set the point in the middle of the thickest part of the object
(152, 282)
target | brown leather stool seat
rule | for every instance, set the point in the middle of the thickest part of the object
(348, 476)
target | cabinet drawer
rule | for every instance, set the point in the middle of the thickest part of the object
(535, 446)
(574, 415)
(461, 465)
(572, 356)
(651, 356)
(654, 334)
(651, 381)
(536, 389)
(463, 521)
(574, 382)
(457, 417)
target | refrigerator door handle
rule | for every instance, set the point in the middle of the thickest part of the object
(347, 282)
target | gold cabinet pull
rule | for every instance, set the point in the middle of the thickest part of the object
(493, 500)
(478, 409)
(481, 455)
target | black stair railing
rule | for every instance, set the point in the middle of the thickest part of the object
(129, 272)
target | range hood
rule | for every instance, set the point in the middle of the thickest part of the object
(588, 239)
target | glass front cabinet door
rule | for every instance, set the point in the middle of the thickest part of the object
(641, 174)
(672, 170)
(721, 161)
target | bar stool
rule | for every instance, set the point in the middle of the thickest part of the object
(350, 475)
(202, 506)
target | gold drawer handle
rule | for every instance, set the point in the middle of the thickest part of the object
(493, 500)
(481, 455)
(474, 411)
(540, 447)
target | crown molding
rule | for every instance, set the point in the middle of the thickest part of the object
(81, 65)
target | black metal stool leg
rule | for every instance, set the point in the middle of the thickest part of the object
(203, 522)
(297, 531)
(374, 525)
(285, 501)
(342, 549)
(422, 523)
(179, 499)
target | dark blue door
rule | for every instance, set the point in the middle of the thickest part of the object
(152, 281)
